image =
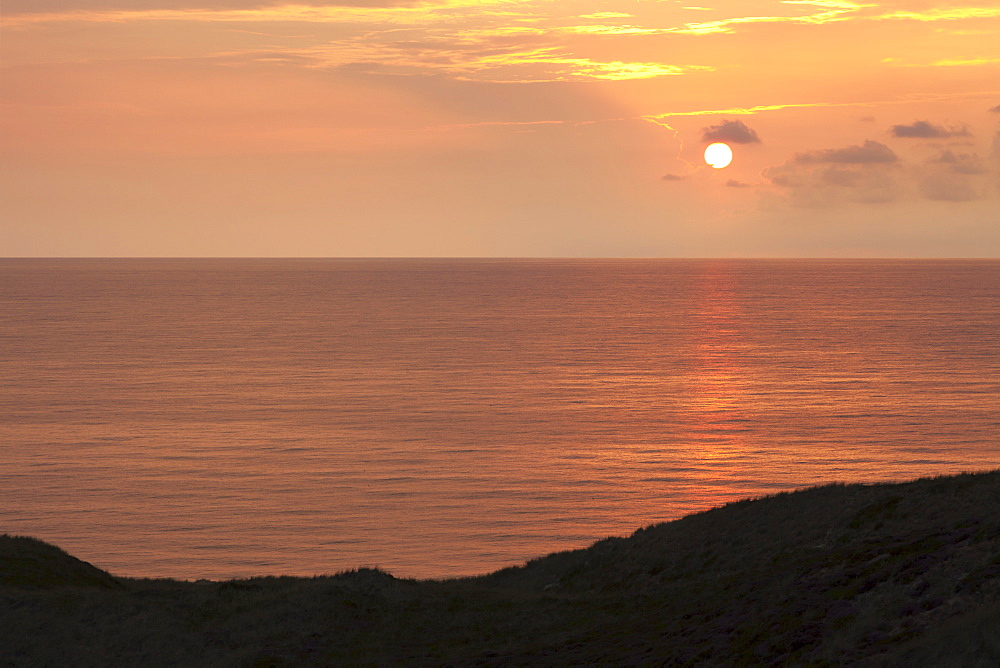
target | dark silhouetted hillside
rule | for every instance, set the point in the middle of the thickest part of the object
(889, 574)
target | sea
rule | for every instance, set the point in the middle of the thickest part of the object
(223, 418)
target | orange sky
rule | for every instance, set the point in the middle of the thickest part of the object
(499, 128)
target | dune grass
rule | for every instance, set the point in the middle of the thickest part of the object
(886, 574)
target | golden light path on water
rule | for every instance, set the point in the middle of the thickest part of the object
(449, 417)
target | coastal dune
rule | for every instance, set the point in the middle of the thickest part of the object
(886, 574)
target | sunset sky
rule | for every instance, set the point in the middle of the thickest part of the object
(500, 128)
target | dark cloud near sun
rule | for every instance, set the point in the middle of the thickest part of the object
(927, 130)
(731, 132)
(867, 153)
(672, 177)
(733, 183)
(995, 110)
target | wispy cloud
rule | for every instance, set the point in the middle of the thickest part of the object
(945, 62)
(749, 111)
(833, 10)
(757, 109)
(968, 62)
(549, 64)
(526, 57)
(427, 12)
(607, 30)
(481, 40)
(600, 16)
(943, 14)
(830, 4)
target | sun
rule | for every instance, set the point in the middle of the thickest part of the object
(718, 155)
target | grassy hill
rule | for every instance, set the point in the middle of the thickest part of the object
(888, 574)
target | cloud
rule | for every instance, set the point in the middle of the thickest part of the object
(672, 177)
(994, 160)
(995, 110)
(948, 189)
(867, 153)
(864, 174)
(953, 177)
(838, 176)
(927, 130)
(831, 187)
(733, 183)
(735, 132)
(959, 163)
(871, 173)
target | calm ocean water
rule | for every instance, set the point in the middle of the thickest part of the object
(224, 418)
